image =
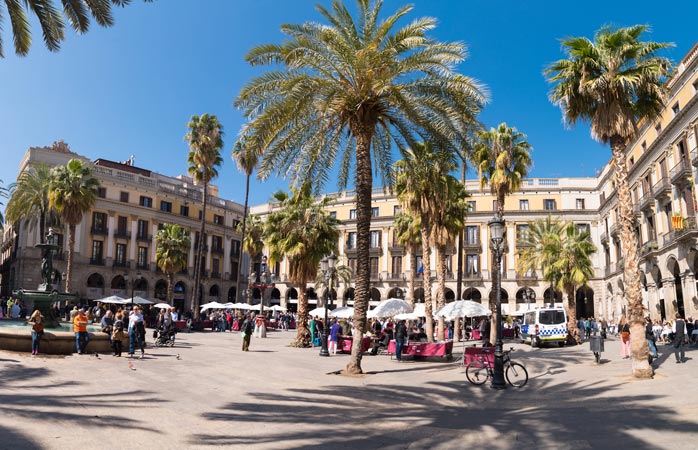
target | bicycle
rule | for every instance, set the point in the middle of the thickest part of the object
(481, 369)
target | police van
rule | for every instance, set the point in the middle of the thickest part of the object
(543, 325)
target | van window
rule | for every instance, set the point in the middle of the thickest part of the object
(551, 317)
(530, 318)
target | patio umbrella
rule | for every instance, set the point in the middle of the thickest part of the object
(344, 312)
(115, 299)
(277, 308)
(212, 305)
(462, 308)
(244, 306)
(162, 305)
(138, 301)
(414, 315)
(389, 308)
(319, 312)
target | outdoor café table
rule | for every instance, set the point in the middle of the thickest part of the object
(344, 343)
(508, 333)
(475, 335)
(423, 348)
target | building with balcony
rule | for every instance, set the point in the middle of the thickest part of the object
(114, 243)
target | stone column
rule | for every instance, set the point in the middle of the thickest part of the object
(690, 297)
(110, 237)
(209, 240)
(669, 297)
(386, 253)
(192, 238)
(132, 243)
(653, 301)
(226, 258)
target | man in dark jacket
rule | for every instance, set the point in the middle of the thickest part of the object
(400, 335)
(247, 328)
(679, 330)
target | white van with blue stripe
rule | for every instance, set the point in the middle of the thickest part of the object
(543, 325)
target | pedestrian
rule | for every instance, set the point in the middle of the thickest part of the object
(136, 332)
(400, 335)
(624, 330)
(649, 334)
(82, 337)
(117, 337)
(311, 328)
(37, 330)
(335, 329)
(247, 329)
(680, 334)
(604, 327)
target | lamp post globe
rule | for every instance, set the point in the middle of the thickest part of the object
(497, 227)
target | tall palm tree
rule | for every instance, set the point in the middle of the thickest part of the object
(419, 186)
(449, 222)
(29, 198)
(205, 138)
(408, 234)
(349, 91)
(246, 158)
(574, 266)
(502, 157)
(253, 242)
(52, 21)
(171, 253)
(615, 81)
(303, 232)
(72, 192)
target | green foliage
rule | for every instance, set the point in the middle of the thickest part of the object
(612, 82)
(72, 190)
(173, 243)
(29, 198)
(205, 138)
(52, 21)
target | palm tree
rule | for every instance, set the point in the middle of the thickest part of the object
(4, 193)
(252, 242)
(449, 221)
(171, 253)
(303, 232)
(419, 186)
(408, 234)
(349, 91)
(502, 159)
(29, 198)
(574, 266)
(615, 82)
(246, 159)
(72, 192)
(52, 21)
(205, 138)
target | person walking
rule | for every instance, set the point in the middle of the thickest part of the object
(82, 337)
(651, 340)
(247, 328)
(117, 336)
(136, 332)
(400, 335)
(37, 330)
(335, 329)
(680, 334)
(624, 330)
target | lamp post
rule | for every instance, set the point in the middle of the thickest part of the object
(497, 228)
(133, 284)
(529, 294)
(328, 270)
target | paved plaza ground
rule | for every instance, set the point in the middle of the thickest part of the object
(206, 393)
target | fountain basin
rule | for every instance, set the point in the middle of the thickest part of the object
(16, 336)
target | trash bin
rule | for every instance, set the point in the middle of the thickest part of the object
(596, 346)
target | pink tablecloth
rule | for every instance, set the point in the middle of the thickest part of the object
(474, 353)
(344, 344)
(423, 348)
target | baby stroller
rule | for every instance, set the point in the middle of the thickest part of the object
(165, 337)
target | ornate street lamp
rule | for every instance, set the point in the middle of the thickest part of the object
(497, 228)
(529, 295)
(327, 266)
(133, 284)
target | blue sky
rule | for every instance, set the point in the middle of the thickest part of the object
(131, 89)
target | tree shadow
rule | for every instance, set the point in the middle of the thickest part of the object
(456, 415)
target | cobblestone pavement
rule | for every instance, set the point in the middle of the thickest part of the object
(205, 393)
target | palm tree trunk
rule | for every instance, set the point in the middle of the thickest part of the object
(413, 274)
(364, 186)
(572, 328)
(196, 298)
(42, 226)
(426, 282)
(461, 238)
(631, 273)
(170, 288)
(69, 264)
(302, 323)
(242, 238)
(441, 292)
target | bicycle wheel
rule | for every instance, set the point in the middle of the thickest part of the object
(516, 374)
(477, 372)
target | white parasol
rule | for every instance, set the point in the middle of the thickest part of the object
(389, 308)
(319, 312)
(138, 301)
(115, 299)
(344, 312)
(162, 305)
(462, 308)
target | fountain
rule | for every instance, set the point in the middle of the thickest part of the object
(47, 294)
(58, 339)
